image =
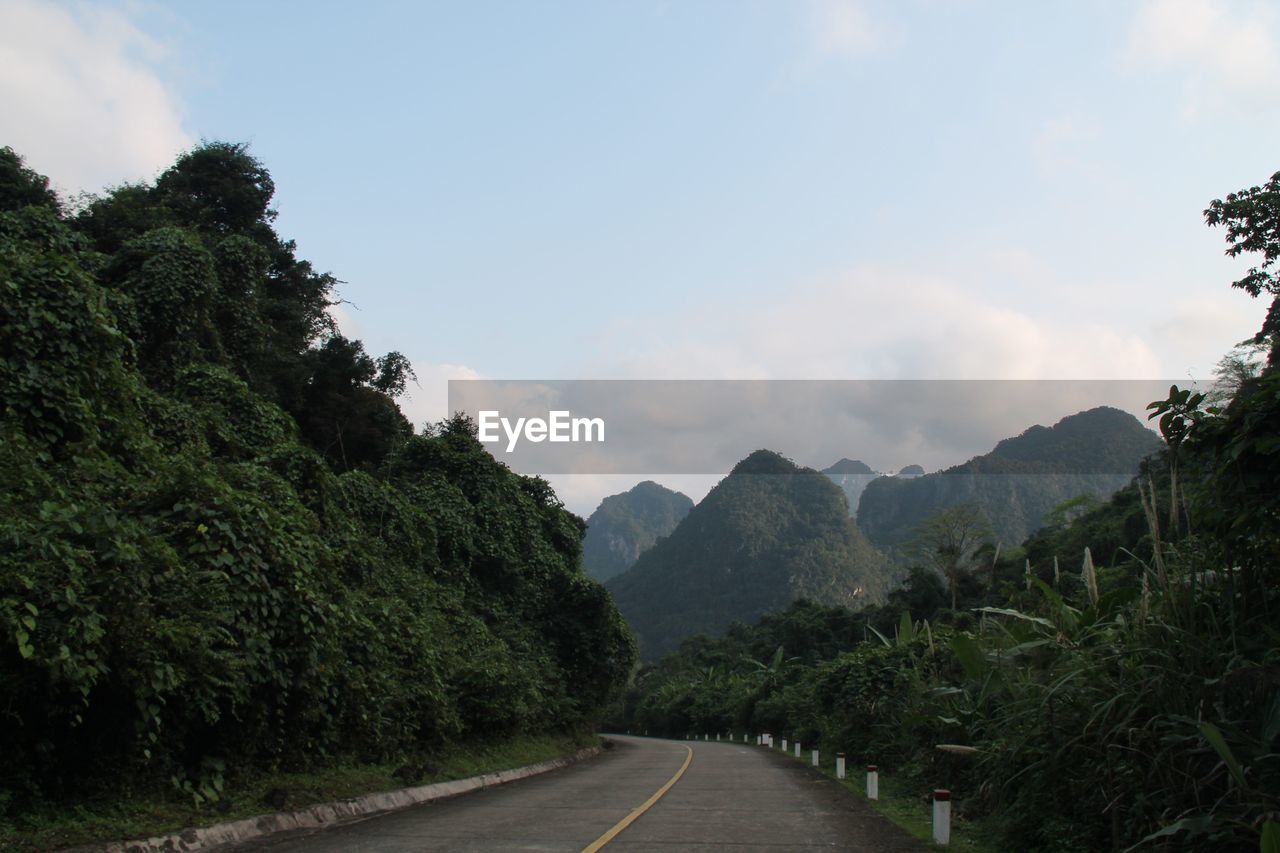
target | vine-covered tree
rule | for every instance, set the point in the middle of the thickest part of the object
(222, 549)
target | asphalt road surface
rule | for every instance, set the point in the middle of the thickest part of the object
(730, 798)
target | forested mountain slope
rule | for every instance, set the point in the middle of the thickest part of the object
(766, 535)
(221, 545)
(625, 525)
(1093, 452)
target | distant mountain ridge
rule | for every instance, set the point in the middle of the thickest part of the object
(625, 525)
(853, 476)
(849, 466)
(1022, 478)
(769, 533)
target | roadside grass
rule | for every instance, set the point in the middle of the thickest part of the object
(127, 814)
(900, 803)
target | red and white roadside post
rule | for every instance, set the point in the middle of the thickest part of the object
(942, 816)
(839, 765)
(873, 782)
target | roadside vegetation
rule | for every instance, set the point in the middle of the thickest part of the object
(131, 814)
(224, 552)
(1112, 684)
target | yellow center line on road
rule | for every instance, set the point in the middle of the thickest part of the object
(640, 809)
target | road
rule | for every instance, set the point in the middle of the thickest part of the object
(730, 797)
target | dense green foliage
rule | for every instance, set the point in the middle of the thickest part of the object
(625, 525)
(1113, 686)
(766, 535)
(222, 548)
(1016, 484)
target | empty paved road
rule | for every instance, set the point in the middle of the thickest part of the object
(732, 797)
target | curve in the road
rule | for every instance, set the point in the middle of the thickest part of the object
(730, 798)
(640, 809)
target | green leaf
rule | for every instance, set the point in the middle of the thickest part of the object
(970, 655)
(1212, 734)
(1270, 837)
(882, 637)
(1271, 724)
(1017, 614)
(1195, 825)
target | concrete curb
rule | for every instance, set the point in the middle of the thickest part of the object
(327, 815)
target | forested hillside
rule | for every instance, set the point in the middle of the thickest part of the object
(1015, 485)
(222, 547)
(768, 534)
(626, 525)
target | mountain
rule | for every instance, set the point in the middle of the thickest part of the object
(624, 525)
(852, 476)
(849, 467)
(1021, 479)
(768, 534)
(909, 472)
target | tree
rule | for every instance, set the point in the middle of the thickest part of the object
(1252, 219)
(948, 541)
(348, 412)
(219, 187)
(21, 187)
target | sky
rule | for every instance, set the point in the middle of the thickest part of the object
(731, 189)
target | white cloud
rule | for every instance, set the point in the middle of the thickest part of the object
(1226, 49)
(1200, 331)
(885, 323)
(80, 96)
(344, 318)
(844, 28)
(428, 400)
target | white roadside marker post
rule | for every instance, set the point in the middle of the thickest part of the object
(784, 744)
(815, 758)
(797, 749)
(873, 782)
(942, 816)
(839, 765)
